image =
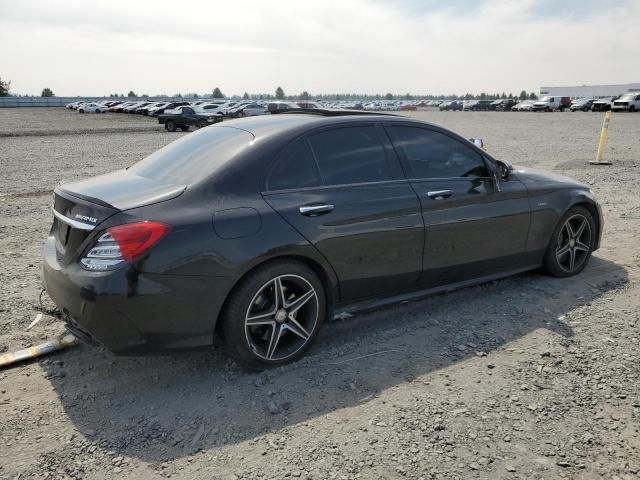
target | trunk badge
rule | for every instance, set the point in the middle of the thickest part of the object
(85, 218)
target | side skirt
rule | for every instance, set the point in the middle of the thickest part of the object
(375, 303)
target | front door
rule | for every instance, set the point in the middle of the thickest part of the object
(344, 191)
(473, 227)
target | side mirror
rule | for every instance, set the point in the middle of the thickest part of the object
(478, 142)
(504, 170)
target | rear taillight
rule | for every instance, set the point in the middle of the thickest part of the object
(123, 244)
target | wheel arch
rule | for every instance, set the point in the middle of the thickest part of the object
(597, 217)
(328, 282)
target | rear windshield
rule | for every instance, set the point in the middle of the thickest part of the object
(193, 157)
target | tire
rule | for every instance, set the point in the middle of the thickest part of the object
(255, 346)
(577, 241)
(632, 108)
(81, 111)
(97, 110)
(202, 123)
(170, 126)
(184, 128)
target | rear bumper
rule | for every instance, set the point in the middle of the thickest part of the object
(129, 312)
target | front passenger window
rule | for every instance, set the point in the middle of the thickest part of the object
(432, 154)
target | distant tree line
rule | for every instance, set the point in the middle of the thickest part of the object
(4, 88)
(279, 94)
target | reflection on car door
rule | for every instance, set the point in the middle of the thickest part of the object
(344, 191)
(472, 229)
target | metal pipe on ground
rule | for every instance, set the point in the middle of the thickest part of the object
(60, 343)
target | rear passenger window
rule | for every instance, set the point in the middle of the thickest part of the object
(294, 168)
(432, 154)
(351, 155)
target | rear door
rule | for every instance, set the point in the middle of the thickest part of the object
(344, 191)
(472, 229)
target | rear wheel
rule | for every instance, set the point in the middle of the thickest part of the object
(274, 315)
(571, 244)
(170, 125)
(202, 123)
(632, 108)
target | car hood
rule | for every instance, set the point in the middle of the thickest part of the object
(536, 179)
(122, 190)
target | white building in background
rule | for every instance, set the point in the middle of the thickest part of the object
(590, 90)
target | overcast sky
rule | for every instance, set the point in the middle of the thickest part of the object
(80, 47)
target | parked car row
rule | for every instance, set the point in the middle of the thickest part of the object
(222, 107)
(227, 108)
(629, 102)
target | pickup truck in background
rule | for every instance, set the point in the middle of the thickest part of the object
(629, 102)
(184, 117)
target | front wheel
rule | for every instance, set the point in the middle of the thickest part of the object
(274, 315)
(202, 123)
(571, 244)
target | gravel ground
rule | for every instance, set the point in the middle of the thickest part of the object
(526, 378)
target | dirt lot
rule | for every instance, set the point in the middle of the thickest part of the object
(529, 378)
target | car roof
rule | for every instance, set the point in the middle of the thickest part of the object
(267, 125)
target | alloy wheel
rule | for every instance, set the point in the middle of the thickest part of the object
(574, 243)
(281, 317)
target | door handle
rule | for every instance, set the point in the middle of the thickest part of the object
(440, 194)
(315, 210)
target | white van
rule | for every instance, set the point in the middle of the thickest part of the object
(549, 104)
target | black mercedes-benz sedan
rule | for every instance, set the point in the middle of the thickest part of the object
(259, 229)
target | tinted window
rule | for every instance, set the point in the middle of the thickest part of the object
(432, 154)
(294, 168)
(193, 157)
(351, 155)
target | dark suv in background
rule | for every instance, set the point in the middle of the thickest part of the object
(453, 105)
(502, 105)
(477, 105)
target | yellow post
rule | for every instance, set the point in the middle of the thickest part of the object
(603, 141)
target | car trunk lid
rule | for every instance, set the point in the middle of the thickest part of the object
(80, 207)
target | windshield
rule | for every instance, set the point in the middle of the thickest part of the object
(627, 96)
(194, 157)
